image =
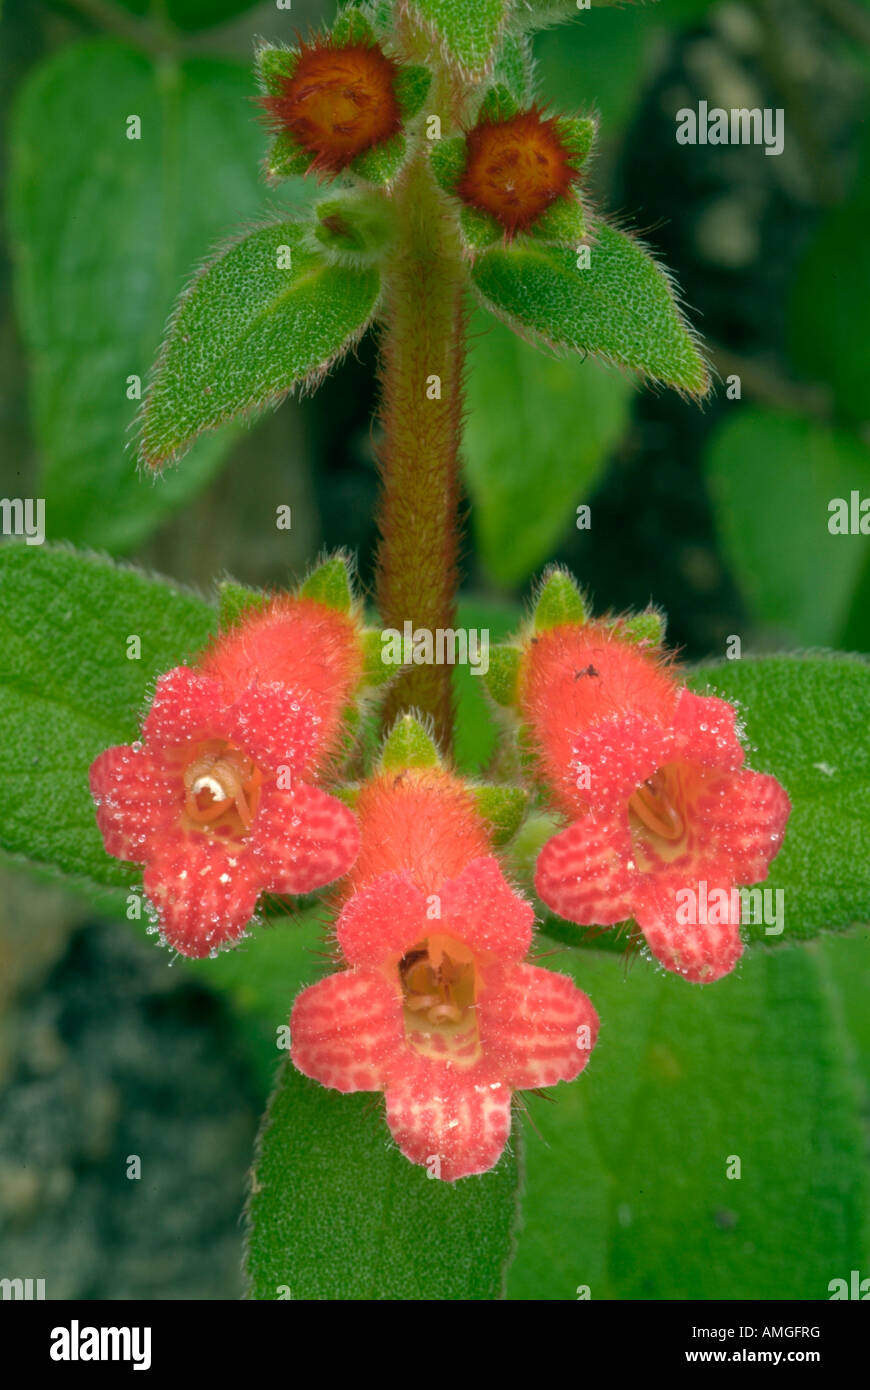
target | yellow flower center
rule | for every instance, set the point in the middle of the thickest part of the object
(221, 789)
(438, 979)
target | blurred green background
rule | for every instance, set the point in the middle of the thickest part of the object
(720, 515)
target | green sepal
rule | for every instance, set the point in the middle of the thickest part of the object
(559, 601)
(499, 104)
(382, 162)
(646, 628)
(330, 583)
(479, 229)
(536, 830)
(409, 745)
(274, 64)
(502, 679)
(351, 26)
(514, 68)
(235, 601)
(577, 134)
(411, 89)
(286, 159)
(503, 807)
(448, 160)
(356, 224)
(376, 671)
(563, 223)
(348, 793)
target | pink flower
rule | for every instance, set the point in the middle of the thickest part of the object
(438, 1011)
(666, 820)
(212, 802)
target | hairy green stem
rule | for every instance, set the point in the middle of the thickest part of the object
(422, 358)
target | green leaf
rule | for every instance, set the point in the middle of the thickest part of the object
(412, 88)
(104, 230)
(250, 327)
(622, 308)
(476, 731)
(540, 14)
(331, 583)
(358, 225)
(469, 33)
(558, 601)
(235, 600)
(381, 163)
(501, 680)
(352, 27)
(514, 66)
(337, 1213)
(534, 451)
(448, 159)
(409, 744)
(646, 628)
(806, 722)
(376, 671)
(830, 307)
(626, 1186)
(769, 469)
(503, 807)
(194, 14)
(68, 690)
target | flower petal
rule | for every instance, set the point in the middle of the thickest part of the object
(275, 727)
(611, 759)
(742, 818)
(345, 1029)
(136, 798)
(536, 1026)
(705, 731)
(436, 1111)
(185, 706)
(382, 920)
(204, 896)
(308, 837)
(701, 950)
(481, 909)
(583, 873)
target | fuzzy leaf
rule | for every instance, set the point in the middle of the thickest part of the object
(248, 329)
(763, 464)
(503, 808)
(536, 450)
(684, 1079)
(235, 600)
(621, 308)
(330, 582)
(335, 1208)
(68, 690)
(468, 32)
(408, 745)
(646, 628)
(503, 674)
(806, 722)
(559, 601)
(104, 230)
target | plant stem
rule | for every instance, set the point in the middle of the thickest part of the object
(422, 358)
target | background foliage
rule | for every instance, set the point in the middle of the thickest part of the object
(720, 515)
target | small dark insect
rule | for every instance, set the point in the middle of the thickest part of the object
(587, 671)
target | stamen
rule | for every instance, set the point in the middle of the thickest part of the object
(217, 781)
(654, 808)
